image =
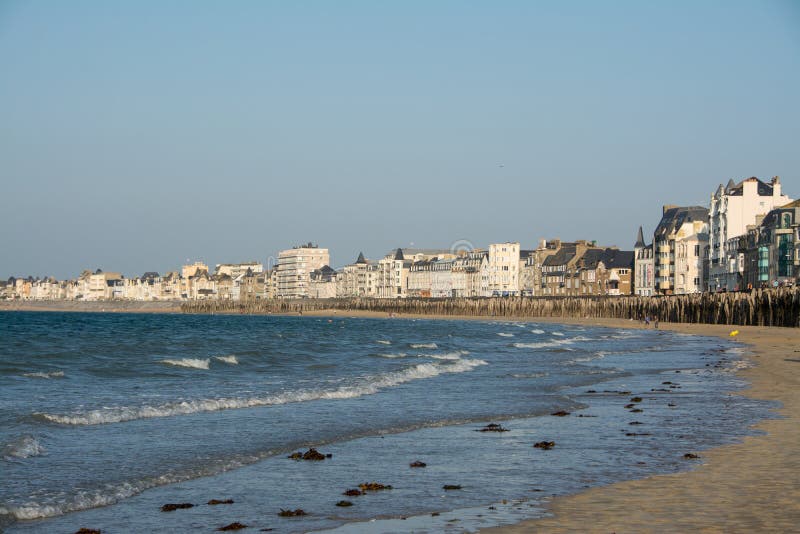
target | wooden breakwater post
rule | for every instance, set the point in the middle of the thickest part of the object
(762, 307)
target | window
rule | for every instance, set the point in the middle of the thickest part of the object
(696, 281)
(696, 251)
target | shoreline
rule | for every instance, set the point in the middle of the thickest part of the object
(751, 485)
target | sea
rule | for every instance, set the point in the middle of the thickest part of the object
(107, 417)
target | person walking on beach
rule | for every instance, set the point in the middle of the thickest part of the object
(655, 321)
(647, 320)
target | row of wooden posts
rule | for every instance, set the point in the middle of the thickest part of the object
(763, 307)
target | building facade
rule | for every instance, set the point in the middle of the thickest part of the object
(733, 208)
(679, 244)
(292, 273)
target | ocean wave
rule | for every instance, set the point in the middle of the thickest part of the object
(424, 346)
(505, 334)
(230, 359)
(544, 344)
(455, 355)
(560, 334)
(365, 386)
(193, 363)
(596, 356)
(537, 331)
(48, 376)
(23, 447)
(383, 342)
(528, 375)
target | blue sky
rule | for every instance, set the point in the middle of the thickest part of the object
(135, 135)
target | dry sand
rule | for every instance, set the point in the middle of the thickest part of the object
(752, 486)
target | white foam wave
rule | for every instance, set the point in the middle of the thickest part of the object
(383, 342)
(558, 334)
(505, 334)
(537, 331)
(23, 447)
(596, 356)
(48, 376)
(366, 386)
(193, 363)
(230, 359)
(393, 355)
(424, 346)
(455, 355)
(544, 344)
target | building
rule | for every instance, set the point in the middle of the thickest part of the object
(392, 276)
(771, 249)
(322, 283)
(732, 209)
(235, 269)
(469, 271)
(293, 271)
(644, 267)
(192, 270)
(503, 269)
(560, 272)
(679, 244)
(359, 279)
(604, 272)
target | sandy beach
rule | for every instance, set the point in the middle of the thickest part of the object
(752, 486)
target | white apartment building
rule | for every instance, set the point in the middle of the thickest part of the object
(503, 269)
(732, 209)
(679, 245)
(294, 267)
(392, 275)
(235, 269)
(644, 284)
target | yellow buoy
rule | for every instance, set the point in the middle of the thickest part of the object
(734, 333)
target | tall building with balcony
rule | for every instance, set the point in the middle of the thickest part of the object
(292, 274)
(679, 245)
(503, 269)
(732, 209)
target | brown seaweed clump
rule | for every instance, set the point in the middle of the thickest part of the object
(560, 413)
(353, 493)
(544, 445)
(373, 486)
(171, 507)
(493, 427)
(690, 456)
(88, 531)
(417, 464)
(214, 502)
(311, 454)
(344, 503)
(448, 487)
(292, 513)
(233, 526)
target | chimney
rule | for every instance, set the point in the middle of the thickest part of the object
(776, 186)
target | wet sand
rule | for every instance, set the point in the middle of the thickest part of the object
(752, 486)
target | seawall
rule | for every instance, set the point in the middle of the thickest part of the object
(763, 307)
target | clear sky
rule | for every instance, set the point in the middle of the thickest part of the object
(135, 135)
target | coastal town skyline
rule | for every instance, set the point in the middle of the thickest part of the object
(136, 136)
